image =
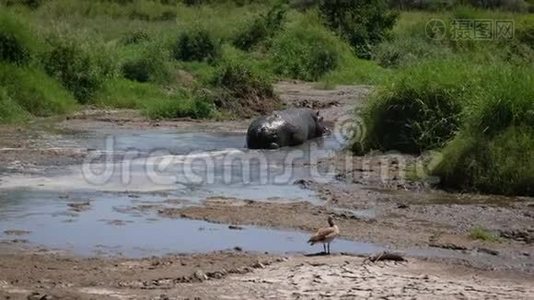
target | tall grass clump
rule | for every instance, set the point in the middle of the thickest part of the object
(16, 40)
(33, 91)
(419, 109)
(494, 152)
(10, 110)
(264, 27)
(80, 70)
(180, 104)
(150, 66)
(241, 90)
(362, 23)
(197, 45)
(305, 50)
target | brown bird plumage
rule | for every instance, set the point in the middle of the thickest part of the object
(325, 235)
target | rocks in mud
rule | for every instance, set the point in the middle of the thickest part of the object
(200, 276)
(386, 256)
(235, 227)
(79, 206)
(449, 246)
(488, 251)
(39, 296)
(16, 232)
(303, 183)
(526, 236)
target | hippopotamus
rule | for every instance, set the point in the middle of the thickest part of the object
(282, 128)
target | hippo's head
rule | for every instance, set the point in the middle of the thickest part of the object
(320, 127)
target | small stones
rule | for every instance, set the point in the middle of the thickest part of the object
(235, 227)
(201, 276)
(258, 265)
(488, 251)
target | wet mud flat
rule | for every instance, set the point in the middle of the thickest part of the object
(65, 236)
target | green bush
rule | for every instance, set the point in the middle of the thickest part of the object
(181, 105)
(305, 51)
(34, 92)
(33, 4)
(135, 37)
(123, 93)
(16, 40)
(150, 67)
(494, 152)
(77, 69)
(261, 28)
(196, 45)
(242, 91)
(362, 23)
(503, 164)
(405, 51)
(419, 109)
(10, 110)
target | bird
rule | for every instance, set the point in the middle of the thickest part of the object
(325, 235)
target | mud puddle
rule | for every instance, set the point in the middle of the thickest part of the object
(84, 208)
(89, 224)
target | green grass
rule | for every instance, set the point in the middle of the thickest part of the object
(482, 234)
(34, 91)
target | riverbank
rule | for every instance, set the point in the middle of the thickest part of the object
(457, 245)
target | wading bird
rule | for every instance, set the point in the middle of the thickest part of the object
(325, 235)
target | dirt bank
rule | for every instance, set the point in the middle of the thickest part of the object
(234, 275)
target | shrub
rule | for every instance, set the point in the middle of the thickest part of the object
(135, 37)
(494, 152)
(261, 28)
(78, 70)
(182, 104)
(503, 164)
(16, 40)
(362, 23)
(419, 109)
(242, 91)
(123, 93)
(196, 46)
(404, 51)
(10, 110)
(33, 91)
(480, 233)
(151, 66)
(33, 4)
(305, 52)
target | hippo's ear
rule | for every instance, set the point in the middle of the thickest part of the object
(317, 113)
(320, 119)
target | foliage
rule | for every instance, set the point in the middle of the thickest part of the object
(196, 45)
(362, 23)
(261, 28)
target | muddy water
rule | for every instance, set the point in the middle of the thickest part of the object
(85, 208)
(102, 223)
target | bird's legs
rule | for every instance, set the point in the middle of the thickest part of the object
(324, 247)
(328, 248)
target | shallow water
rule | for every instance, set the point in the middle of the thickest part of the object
(109, 227)
(129, 167)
